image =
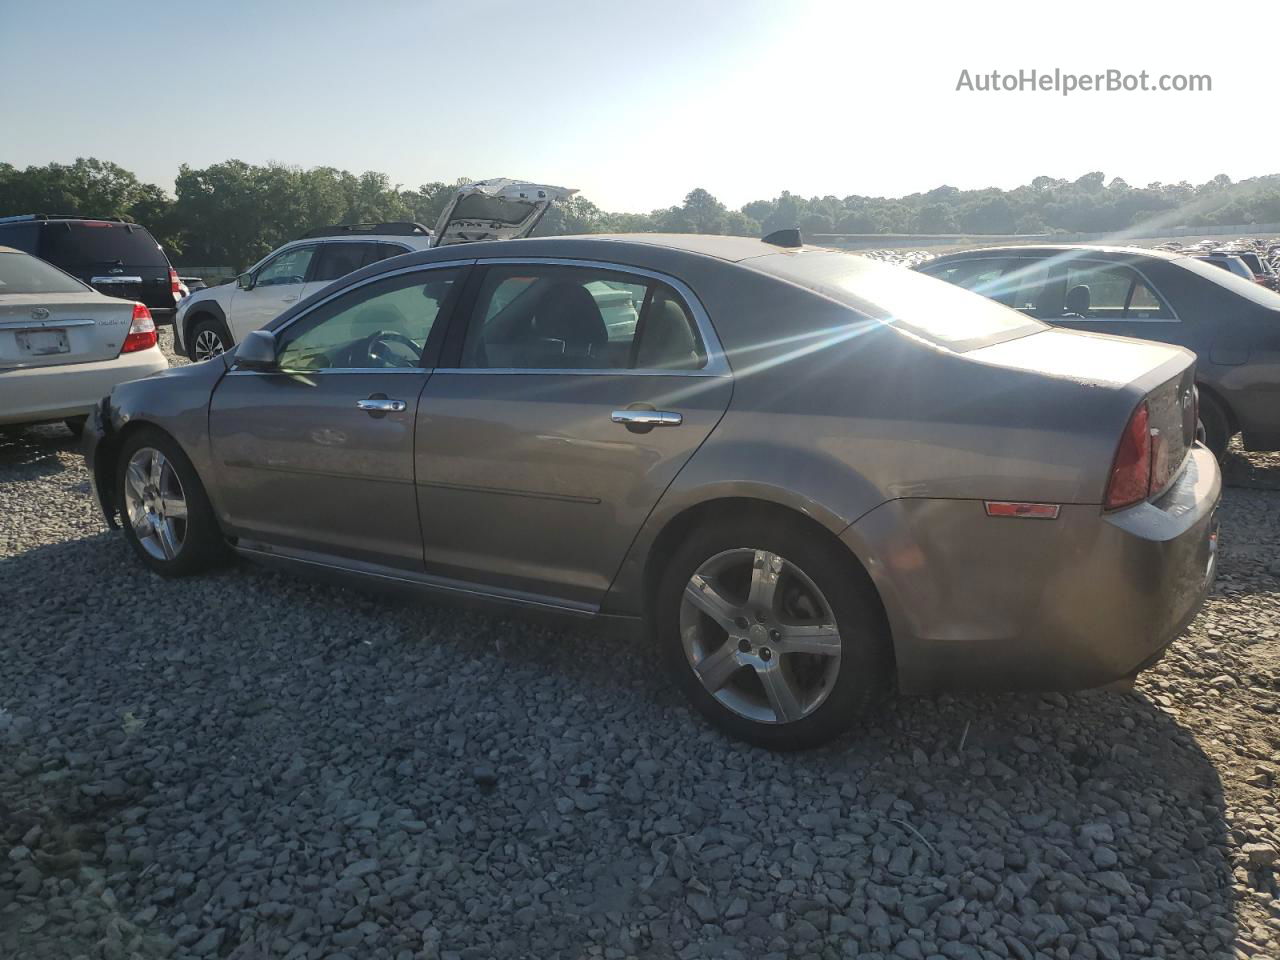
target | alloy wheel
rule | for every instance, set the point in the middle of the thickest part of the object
(207, 344)
(760, 636)
(156, 503)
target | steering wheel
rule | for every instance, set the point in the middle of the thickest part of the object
(375, 349)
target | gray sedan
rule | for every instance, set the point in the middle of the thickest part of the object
(810, 477)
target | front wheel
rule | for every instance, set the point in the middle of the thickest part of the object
(774, 633)
(166, 515)
(208, 340)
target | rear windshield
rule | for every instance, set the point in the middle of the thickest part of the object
(934, 309)
(97, 242)
(20, 273)
(477, 206)
(1237, 284)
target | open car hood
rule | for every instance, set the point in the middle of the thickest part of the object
(498, 209)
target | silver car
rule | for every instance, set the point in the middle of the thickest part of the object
(809, 476)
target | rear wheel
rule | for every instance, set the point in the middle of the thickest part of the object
(163, 508)
(208, 340)
(1217, 426)
(776, 635)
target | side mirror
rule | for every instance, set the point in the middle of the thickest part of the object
(257, 351)
(245, 281)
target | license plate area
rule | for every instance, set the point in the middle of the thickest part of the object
(42, 343)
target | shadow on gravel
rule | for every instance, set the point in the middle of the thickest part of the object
(1257, 471)
(34, 452)
(252, 761)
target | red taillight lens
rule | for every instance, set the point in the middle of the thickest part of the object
(142, 331)
(1131, 473)
(174, 282)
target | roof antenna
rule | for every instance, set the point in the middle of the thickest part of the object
(789, 237)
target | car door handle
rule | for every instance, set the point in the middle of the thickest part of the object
(648, 418)
(289, 299)
(382, 405)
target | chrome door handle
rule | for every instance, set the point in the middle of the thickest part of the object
(382, 405)
(648, 418)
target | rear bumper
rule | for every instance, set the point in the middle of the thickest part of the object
(38, 394)
(981, 603)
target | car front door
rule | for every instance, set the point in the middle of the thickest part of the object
(337, 258)
(548, 434)
(316, 455)
(267, 292)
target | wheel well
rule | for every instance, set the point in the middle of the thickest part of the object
(108, 456)
(740, 509)
(1232, 423)
(199, 316)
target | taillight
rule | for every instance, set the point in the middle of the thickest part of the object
(1131, 472)
(142, 330)
(174, 282)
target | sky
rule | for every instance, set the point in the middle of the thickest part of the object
(635, 103)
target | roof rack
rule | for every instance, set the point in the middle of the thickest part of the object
(28, 217)
(393, 228)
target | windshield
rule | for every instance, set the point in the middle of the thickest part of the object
(934, 309)
(20, 273)
(98, 241)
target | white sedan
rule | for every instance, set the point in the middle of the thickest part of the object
(63, 345)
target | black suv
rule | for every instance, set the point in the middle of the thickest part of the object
(114, 257)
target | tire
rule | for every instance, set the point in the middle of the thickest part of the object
(1216, 424)
(207, 338)
(813, 580)
(75, 425)
(171, 544)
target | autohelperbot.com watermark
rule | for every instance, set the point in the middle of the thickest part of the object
(1065, 82)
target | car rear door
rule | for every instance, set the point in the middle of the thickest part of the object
(337, 258)
(316, 456)
(547, 435)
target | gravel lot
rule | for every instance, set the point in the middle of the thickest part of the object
(251, 765)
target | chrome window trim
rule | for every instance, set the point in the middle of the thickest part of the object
(1092, 260)
(717, 363)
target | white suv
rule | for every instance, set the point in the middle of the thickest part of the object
(211, 321)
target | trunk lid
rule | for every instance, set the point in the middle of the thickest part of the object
(498, 209)
(1160, 374)
(49, 329)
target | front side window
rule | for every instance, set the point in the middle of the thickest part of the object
(382, 325)
(529, 317)
(288, 267)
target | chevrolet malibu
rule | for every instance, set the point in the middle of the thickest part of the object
(810, 476)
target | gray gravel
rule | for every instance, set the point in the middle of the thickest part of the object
(251, 765)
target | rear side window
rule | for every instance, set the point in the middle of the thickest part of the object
(336, 260)
(534, 317)
(1110, 292)
(20, 273)
(77, 243)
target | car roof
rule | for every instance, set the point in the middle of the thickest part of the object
(1051, 249)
